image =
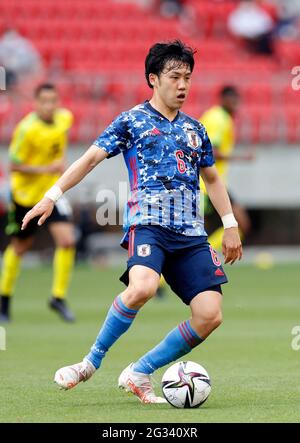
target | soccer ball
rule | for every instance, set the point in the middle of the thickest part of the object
(186, 385)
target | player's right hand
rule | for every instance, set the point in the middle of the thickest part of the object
(43, 208)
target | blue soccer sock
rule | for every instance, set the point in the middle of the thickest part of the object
(118, 320)
(177, 343)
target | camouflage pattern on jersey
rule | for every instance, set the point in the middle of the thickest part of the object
(164, 160)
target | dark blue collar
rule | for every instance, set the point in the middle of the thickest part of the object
(155, 111)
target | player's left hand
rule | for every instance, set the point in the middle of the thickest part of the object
(231, 245)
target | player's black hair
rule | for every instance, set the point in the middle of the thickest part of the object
(161, 53)
(44, 87)
(227, 90)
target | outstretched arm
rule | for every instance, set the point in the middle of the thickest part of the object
(71, 177)
(231, 246)
(81, 167)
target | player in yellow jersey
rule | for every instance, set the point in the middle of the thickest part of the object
(37, 159)
(219, 124)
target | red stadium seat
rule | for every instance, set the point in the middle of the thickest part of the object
(292, 124)
(264, 123)
(258, 93)
(289, 96)
(288, 53)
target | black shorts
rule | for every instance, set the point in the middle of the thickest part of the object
(62, 212)
(188, 264)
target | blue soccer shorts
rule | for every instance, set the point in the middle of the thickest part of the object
(189, 264)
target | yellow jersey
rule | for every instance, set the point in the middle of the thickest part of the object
(220, 128)
(37, 143)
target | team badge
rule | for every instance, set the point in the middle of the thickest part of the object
(193, 139)
(143, 250)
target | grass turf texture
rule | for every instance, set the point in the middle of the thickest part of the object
(254, 371)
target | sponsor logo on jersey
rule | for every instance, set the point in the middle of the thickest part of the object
(153, 132)
(219, 272)
(143, 250)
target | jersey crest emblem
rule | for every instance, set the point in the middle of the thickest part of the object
(143, 250)
(193, 139)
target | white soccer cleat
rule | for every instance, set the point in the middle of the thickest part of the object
(140, 385)
(69, 376)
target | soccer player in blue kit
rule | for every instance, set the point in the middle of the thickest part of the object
(165, 151)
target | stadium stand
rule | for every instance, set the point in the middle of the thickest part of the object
(94, 50)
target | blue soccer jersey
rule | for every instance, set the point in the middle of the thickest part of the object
(163, 159)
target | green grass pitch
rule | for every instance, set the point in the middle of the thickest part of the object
(254, 370)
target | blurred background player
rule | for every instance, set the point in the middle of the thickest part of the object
(251, 23)
(37, 160)
(22, 62)
(219, 123)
